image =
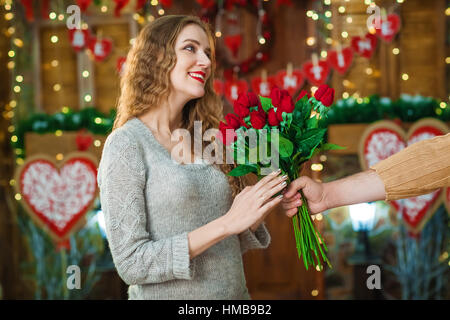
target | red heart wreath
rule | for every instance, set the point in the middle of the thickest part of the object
(383, 139)
(57, 196)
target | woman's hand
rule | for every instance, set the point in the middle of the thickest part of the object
(252, 204)
(313, 192)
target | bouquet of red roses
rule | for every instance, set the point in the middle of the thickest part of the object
(291, 134)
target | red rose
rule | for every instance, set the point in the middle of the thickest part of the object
(302, 94)
(244, 102)
(257, 119)
(241, 110)
(233, 121)
(325, 94)
(286, 105)
(320, 91)
(275, 96)
(253, 99)
(328, 97)
(226, 134)
(272, 117)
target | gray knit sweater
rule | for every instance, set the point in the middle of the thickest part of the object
(150, 203)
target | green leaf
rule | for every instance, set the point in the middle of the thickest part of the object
(286, 147)
(266, 103)
(331, 146)
(242, 170)
(311, 139)
(312, 123)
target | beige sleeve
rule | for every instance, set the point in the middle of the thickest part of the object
(419, 169)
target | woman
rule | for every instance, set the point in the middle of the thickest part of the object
(173, 228)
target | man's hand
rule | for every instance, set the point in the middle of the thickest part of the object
(314, 194)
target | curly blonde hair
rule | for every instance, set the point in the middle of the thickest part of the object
(146, 82)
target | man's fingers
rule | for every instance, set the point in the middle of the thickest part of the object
(296, 185)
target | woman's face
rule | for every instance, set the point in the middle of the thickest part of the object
(193, 66)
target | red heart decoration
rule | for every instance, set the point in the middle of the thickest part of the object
(83, 140)
(316, 75)
(83, 4)
(389, 27)
(263, 88)
(120, 66)
(341, 61)
(100, 49)
(78, 38)
(383, 139)
(291, 83)
(365, 46)
(233, 43)
(57, 197)
(233, 88)
(218, 87)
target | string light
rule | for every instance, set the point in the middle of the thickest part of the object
(58, 133)
(396, 51)
(447, 60)
(161, 11)
(344, 34)
(54, 39)
(59, 156)
(18, 42)
(87, 98)
(315, 293)
(54, 63)
(97, 143)
(57, 87)
(9, 16)
(18, 197)
(218, 34)
(447, 12)
(19, 78)
(345, 95)
(52, 15)
(262, 40)
(11, 53)
(154, 2)
(310, 41)
(104, 9)
(61, 17)
(405, 76)
(349, 19)
(85, 74)
(341, 9)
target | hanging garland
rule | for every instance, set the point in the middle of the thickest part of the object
(215, 11)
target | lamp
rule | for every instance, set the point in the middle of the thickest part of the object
(363, 219)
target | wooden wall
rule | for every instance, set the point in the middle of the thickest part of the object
(275, 273)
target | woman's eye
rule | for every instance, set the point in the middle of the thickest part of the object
(190, 48)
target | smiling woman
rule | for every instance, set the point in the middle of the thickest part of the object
(174, 230)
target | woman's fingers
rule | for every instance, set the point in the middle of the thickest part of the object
(270, 204)
(291, 204)
(261, 183)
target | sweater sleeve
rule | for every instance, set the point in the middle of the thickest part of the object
(260, 239)
(418, 169)
(138, 258)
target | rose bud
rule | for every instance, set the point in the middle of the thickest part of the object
(302, 94)
(285, 106)
(240, 109)
(328, 97)
(320, 91)
(253, 99)
(272, 117)
(275, 96)
(257, 120)
(233, 121)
